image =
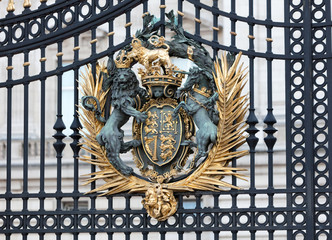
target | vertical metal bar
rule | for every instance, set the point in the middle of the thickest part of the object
(180, 9)
(75, 126)
(93, 43)
(162, 232)
(145, 7)
(269, 120)
(288, 118)
(110, 55)
(93, 218)
(233, 23)
(25, 143)
(110, 219)
(197, 21)
(93, 68)
(180, 209)
(216, 214)
(42, 124)
(308, 113)
(234, 216)
(59, 145)
(26, 126)
(9, 146)
(93, 167)
(329, 104)
(162, 17)
(198, 216)
(42, 142)
(93, 7)
(234, 180)
(215, 29)
(252, 120)
(128, 35)
(127, 210)
(145, 226)
(111, 30)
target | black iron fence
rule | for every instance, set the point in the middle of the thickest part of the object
(304, 52)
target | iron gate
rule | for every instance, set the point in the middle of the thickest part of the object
(305, 56)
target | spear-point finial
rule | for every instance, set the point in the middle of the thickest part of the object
(11, 7)
(27, 4)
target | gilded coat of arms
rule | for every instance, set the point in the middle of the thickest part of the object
(187, 124)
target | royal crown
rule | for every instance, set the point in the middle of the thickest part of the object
(122, 60)
(173, 77)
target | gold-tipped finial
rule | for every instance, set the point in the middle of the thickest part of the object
(27, 3)
(11, 7)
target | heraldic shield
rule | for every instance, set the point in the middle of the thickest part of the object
(186, 125)
(161, 135)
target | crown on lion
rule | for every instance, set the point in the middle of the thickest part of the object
(122, 60)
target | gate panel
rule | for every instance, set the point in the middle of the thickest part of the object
(287, 47)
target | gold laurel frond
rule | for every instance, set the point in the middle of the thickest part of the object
(115, 182)
(232, 107)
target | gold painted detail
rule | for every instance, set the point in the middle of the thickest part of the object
(181, 13)
(215, 28)
(187, 124)
(203, 91)
(167, 146)
(159, 202)
(93, 41)
(122, 61)
(145, 14)
(26, 64)
(110, 34)
(167, 122)
(251, 37)
(27, 3)
(269, 39)
(167, 126)
(10, 68)
(190, 52)
(151, 150)
(128, 24)
(198, 20)
(147, 57)
(196, 101)
(233, 33)
(157, 63)
(157, 131)
(43, 59)
(76, 48)
(151, 124)
(11, 6)
(162, 6)
(59, 54)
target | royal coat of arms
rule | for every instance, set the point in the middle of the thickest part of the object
(187, 124)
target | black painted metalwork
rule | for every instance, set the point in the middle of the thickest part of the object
(307, 61)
